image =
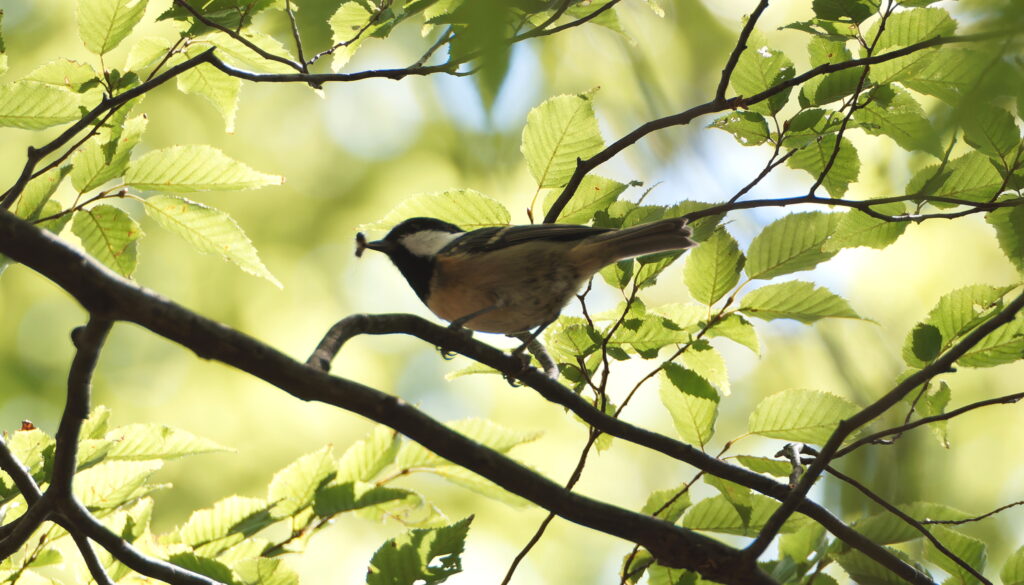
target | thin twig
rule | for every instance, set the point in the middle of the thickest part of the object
(876, 438)
(910, 521)
(741, 45)
(295, 35)
(239, 37)
(974, 518)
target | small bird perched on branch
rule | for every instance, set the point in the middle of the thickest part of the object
(515, 279)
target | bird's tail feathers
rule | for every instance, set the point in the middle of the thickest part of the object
(649, 238)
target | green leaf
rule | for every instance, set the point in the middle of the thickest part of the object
(208, 230)
(647, 335)
(33, 105)
(748, 128)
(37, 193)
(795, 300)
(831, 86)
(736, 327)
(183, 169)
(341, 497)
(705, 360)
(426, 556)
(109, 235)
(893, 112)
(991, 130)
(1003, 346)
(886, 528)
(367, 457)
(864, 570)
(669, 504)
(1009, 225)
(139, 442)
(759, 68)
(145, 52)
(465, 478)
(948, 74)
(226, 523)
(1013, 571)
(465, 208)
(844, 170)
(735, 494)
(971, 177)
(350, 25)
(594, 194)
(775, 467)
(857, 228)
(844, 10)
(235, 53)
(908, 27)
(969, 549)
(805, 416)
(292, 489)
(713, 268)
(483, 431)
(717, 514)
(691, 401)
(212, 568)
(955, 315)
(103, 24)
(557, 133)
(111, 484)
(934, 403)
(94, 165)
(217, 87)
(265, 571)
(66, 74)
(231, 14)
(791, 244)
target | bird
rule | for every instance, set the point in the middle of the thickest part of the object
(513, 279)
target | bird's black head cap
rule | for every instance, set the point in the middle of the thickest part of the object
(416, 267)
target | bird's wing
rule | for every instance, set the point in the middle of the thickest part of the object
(494, 238)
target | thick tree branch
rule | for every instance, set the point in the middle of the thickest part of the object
(108, 296)
(558, 394)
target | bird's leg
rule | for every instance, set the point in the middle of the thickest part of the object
(459, 326)
(532, 343)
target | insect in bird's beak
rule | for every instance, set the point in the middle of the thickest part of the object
(362, 245)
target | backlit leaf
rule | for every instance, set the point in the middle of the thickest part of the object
(109, 235)
(795, 300)
(791, 244)
(182, 169)
(805, 416)
(559, 131)
(103, 24)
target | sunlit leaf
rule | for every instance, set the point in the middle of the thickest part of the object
(748, 128)
(426, 556)
(114, 483)
(713, 268)
(669, 504)
(736, 327)
(971, 177)
(182, 169)
(465, 208)
(759, 68)
(705, 360)
(483, 431)
(207, 566)
(717, 514)
(224, 524)
(892, 112)
(814, 157)
(857, 228)
(34, 105)
(139, 442)
(208, 230)
(594, 194)
(969, 549)
(367, 457)
(103, 24)
(805, 416)
(1012, 572)
(292, 489)
(557, 133)
(864, 569)
(1002, 346)
(109, 235)
(956, 314)
(1009, 225)
(791, 244)
(217, 87)
(64, 73)
(795, 300)
(94, 164)
(691, 401)
(991, 130)
(776, 467)
(265, 571)
(344, 496)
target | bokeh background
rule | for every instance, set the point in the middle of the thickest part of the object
(352, 153)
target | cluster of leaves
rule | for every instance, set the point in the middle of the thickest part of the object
(244, 540)
(807, 133)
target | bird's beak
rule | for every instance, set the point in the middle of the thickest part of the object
(378, 245)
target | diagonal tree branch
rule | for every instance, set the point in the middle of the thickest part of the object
(843, 430)
(108, 296)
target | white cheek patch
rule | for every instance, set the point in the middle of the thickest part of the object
(427, 243)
